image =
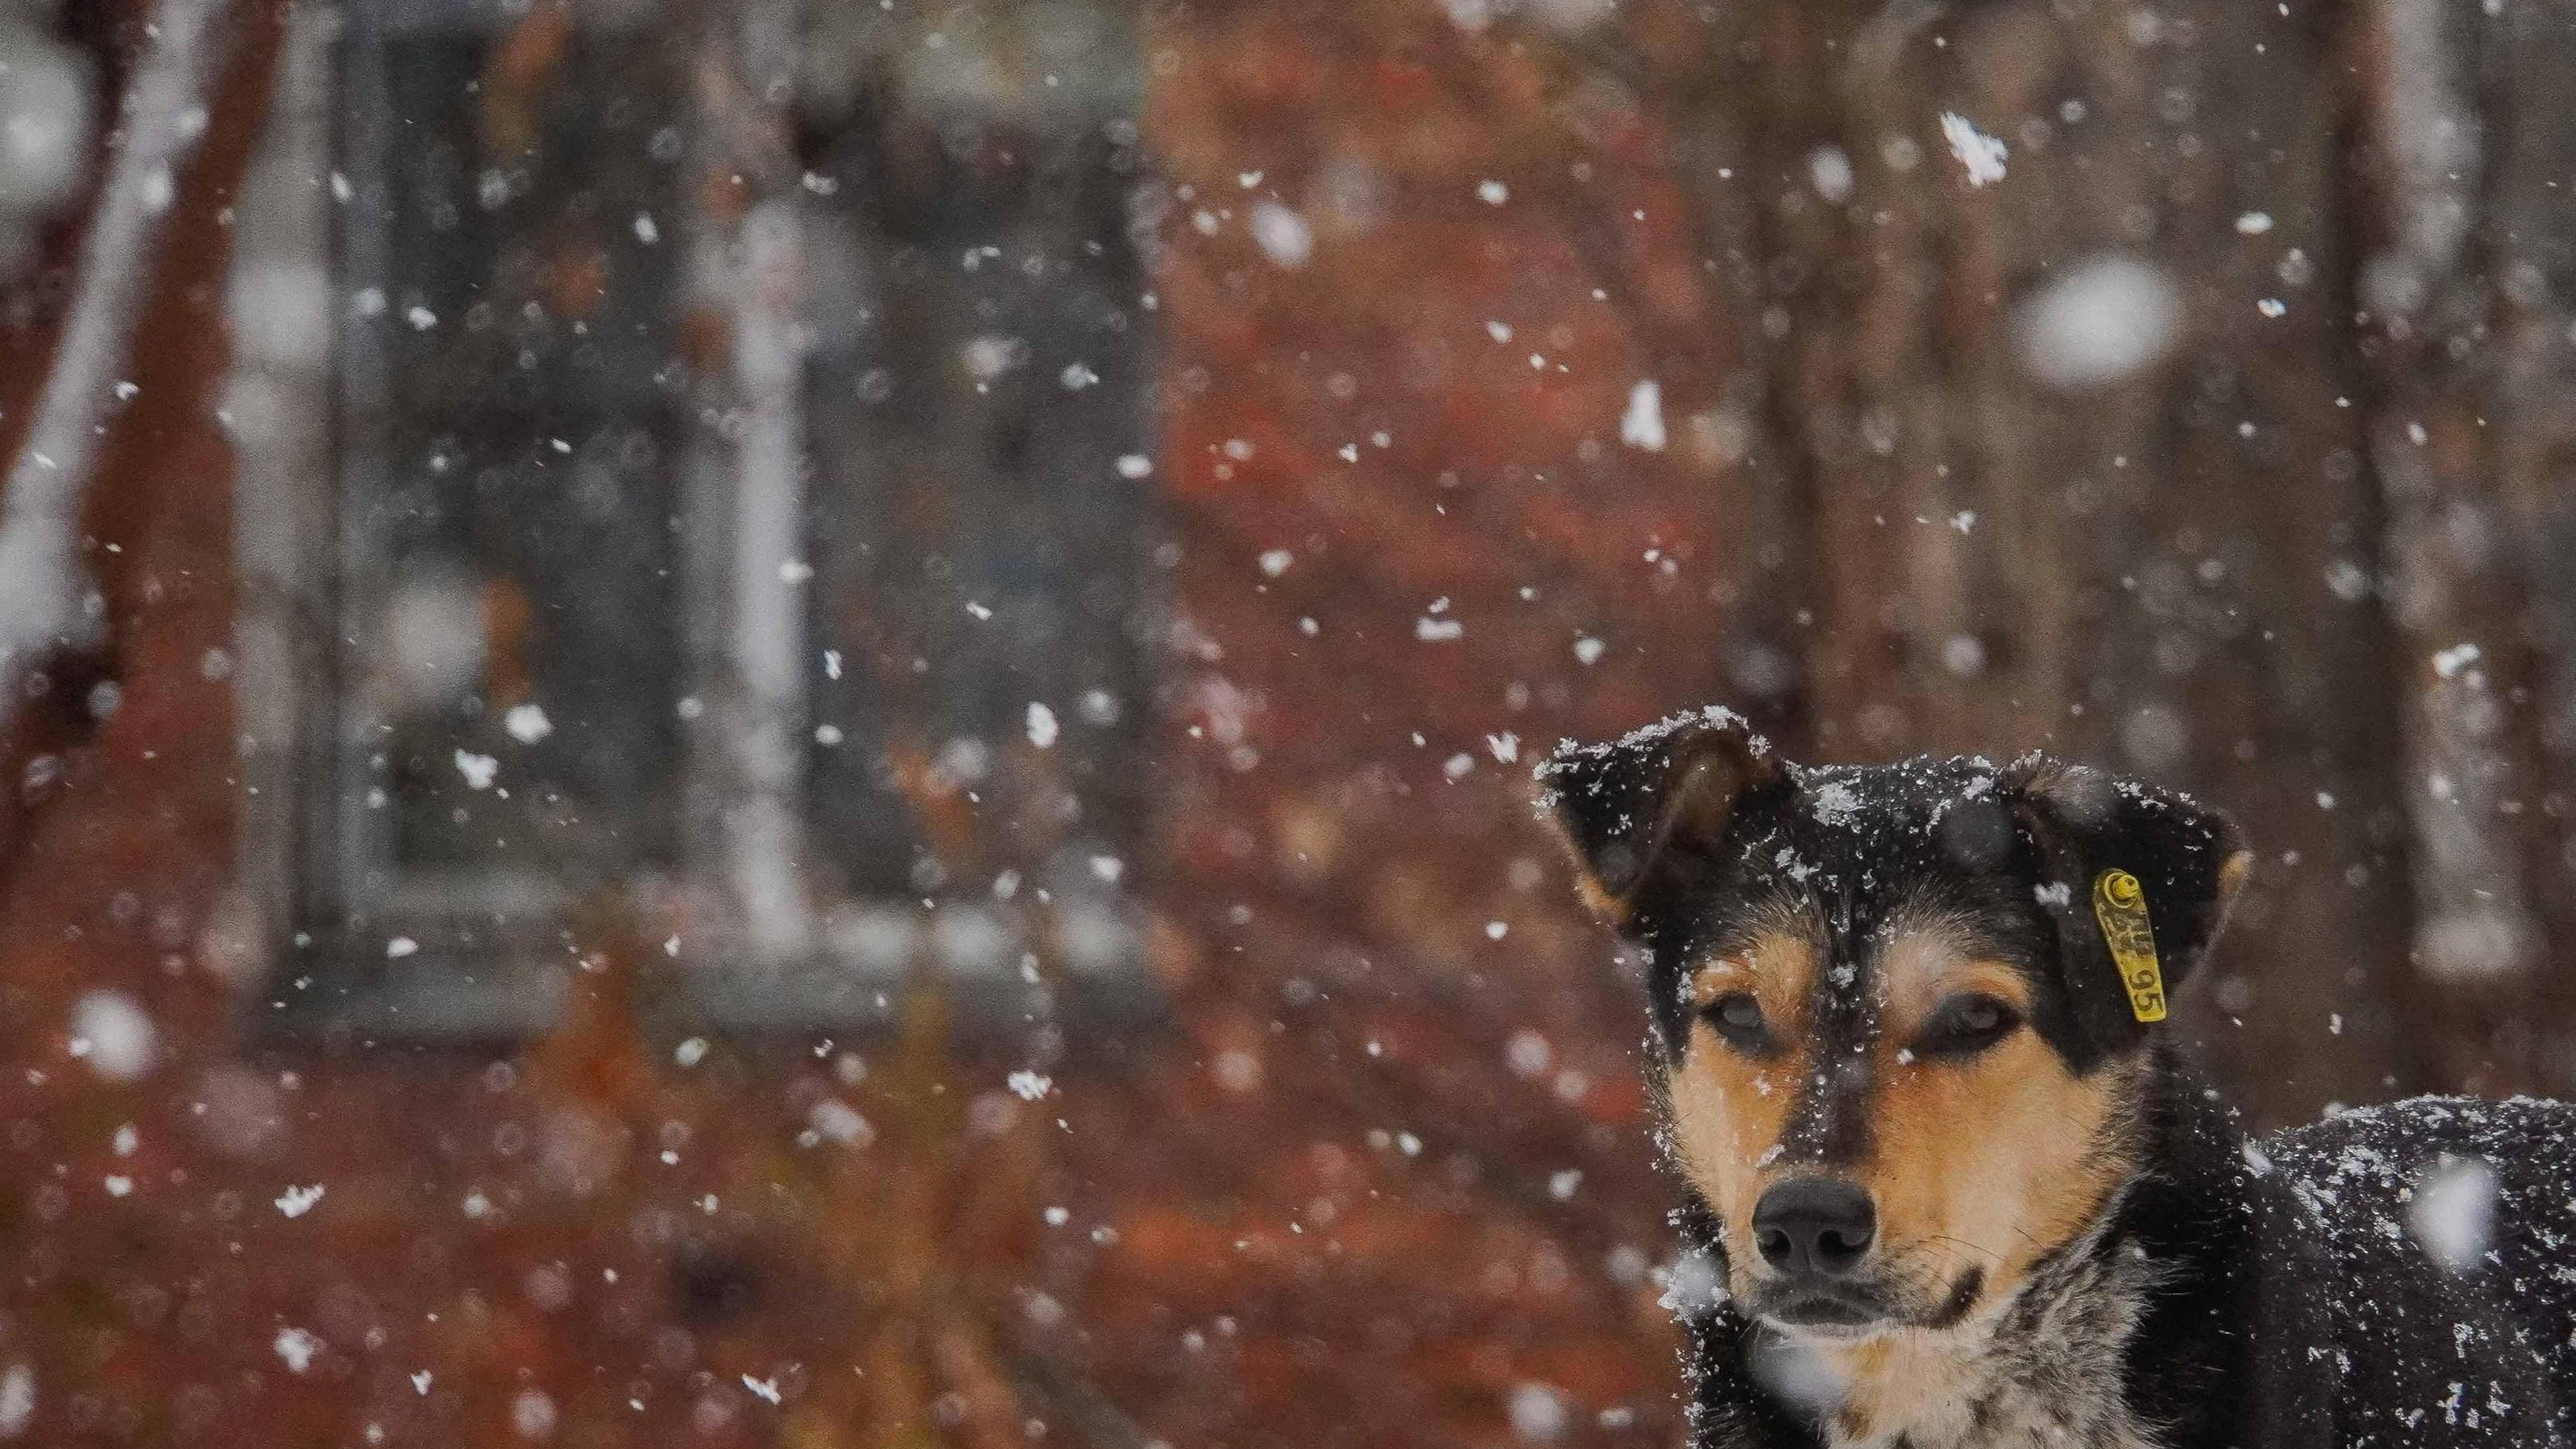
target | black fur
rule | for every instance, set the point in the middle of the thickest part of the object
(2285, 1294)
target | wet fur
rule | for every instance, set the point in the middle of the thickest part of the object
(2157, 1280)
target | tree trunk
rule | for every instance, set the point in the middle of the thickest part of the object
(2065, 446)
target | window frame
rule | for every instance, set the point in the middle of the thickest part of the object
(758, 956)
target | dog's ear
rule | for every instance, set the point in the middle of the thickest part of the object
(2132, 874)
(1663, 791)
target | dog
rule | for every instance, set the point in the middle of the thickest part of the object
(1950, 1180)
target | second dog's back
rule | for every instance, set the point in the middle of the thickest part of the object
(2454, 1205)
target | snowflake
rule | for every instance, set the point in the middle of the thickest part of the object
(1982, 154)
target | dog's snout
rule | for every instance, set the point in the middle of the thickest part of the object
(1816, 1225)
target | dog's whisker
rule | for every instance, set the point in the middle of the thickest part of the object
(1996, 1258)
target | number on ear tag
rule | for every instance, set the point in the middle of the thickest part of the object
(2120, 905)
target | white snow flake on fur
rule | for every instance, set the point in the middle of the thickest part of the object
(1836, 803)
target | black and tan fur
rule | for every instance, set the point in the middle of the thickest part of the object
(1880, 1001)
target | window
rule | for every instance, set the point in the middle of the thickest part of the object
(738, 556)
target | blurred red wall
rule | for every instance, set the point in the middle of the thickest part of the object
(1381, 1178)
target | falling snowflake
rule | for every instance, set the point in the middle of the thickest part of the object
(1642, 425)
(1538, 1413)
(17, 1400)
(1528, 1053)
(1830, 168)
(834, 1120)
(2453, 1212)
(2098, 320)
(112, 1034)
(1982, 154)
(1283, 235)
(533, 1414)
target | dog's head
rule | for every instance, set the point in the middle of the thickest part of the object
(1900, 1012)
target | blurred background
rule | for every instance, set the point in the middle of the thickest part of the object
(807, 722)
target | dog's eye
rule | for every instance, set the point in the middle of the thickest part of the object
(1738, 1018)
(1966, 1024)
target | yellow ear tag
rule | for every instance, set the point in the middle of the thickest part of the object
(2120, 904)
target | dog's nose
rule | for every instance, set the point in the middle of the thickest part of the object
(1814, 1225)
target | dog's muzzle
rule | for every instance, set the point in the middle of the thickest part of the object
(1815, 1236)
